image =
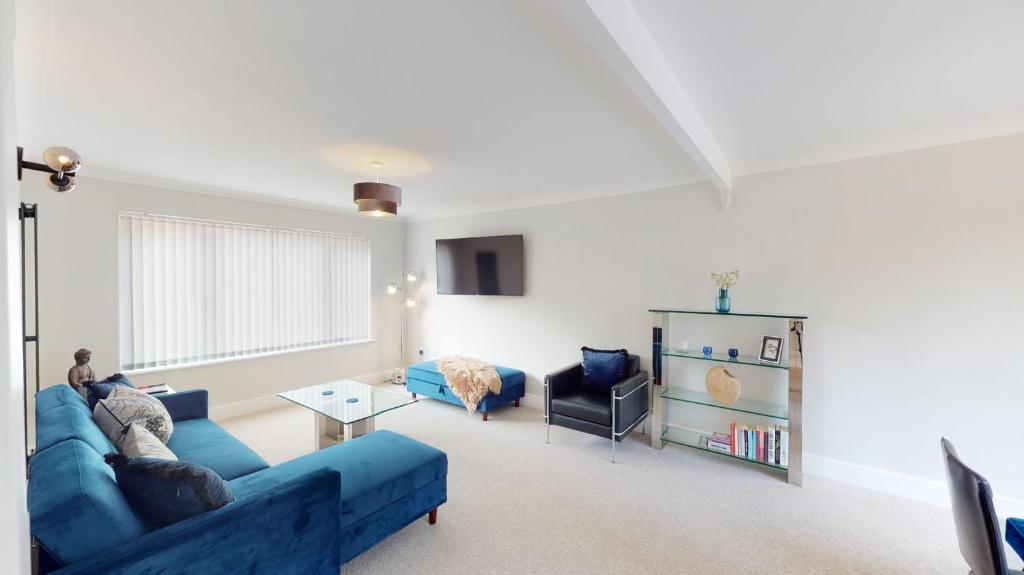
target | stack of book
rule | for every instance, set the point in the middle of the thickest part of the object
(764, 443)
(719, 442)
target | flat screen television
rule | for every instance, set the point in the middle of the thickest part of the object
(480, 266)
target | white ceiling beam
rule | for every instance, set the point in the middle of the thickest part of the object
(614, 28)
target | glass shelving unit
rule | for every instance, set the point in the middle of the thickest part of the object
(741, 405)
(691, 438)
(791, 413)
(724, 358)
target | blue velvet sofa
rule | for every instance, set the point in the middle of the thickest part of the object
(424, 379)
(308, 515)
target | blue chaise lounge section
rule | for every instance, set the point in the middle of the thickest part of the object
(307, 515)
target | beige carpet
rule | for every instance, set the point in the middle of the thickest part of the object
(517, 505)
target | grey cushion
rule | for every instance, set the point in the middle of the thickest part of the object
(140, 442)
(125, 406)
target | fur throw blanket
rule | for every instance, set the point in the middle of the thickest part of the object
(469, 379)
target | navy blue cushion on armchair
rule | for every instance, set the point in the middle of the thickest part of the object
(603, 368)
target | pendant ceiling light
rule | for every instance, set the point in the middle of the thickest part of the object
(377, 199)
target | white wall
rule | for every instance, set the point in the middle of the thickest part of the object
(78, 234)
(14, 540)
(909, 266)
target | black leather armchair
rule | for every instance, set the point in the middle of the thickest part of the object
(613, 415)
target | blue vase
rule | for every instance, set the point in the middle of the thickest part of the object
(734, 353)
(707, 350)
(723, 304)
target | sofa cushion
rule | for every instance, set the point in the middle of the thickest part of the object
(140, 442)
(165, 492)
(592, 407)
(427, 371)
(57, 396)
(74, 504)
(1015, 535)
(98, 390)
(376, 470)
(603, 368)
(126, 405)
(204, 442)
(70, 421)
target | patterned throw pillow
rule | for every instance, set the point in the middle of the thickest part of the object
(125, 406)
(140, 442)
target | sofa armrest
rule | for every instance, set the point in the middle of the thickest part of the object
(563, 381)
(636, 400)
(290, 528)
(183, 405)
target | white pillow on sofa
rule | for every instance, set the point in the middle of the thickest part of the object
(126, 405)
(140, 442)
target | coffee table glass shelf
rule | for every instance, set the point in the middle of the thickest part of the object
(789, 414)
(345, 409)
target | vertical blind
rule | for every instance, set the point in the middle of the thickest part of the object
(194, 291)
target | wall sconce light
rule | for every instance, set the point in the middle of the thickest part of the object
(411, 276)
(393, 289)
(61, 163)
(410, 302)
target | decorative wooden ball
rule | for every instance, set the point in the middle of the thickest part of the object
(722, 385)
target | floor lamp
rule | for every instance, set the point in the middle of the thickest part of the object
(398, 377)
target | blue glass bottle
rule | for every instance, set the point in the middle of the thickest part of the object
(723, 304)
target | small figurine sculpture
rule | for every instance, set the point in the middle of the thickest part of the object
(81, 372)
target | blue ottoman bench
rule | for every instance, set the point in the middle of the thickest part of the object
(425, 379)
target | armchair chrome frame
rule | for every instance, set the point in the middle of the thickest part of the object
(643, 416)
(641, 419)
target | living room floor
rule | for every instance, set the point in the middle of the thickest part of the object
(518, 505)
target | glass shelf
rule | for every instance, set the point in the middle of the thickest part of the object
(690, 438)
(733, 313)
(724, 358)
(741, 405)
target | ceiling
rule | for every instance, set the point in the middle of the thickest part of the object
(471, 105)
(477, 105)
(791, 83)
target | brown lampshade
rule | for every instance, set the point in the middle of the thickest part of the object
(377, 199)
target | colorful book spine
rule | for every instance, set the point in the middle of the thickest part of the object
(766, 444)
(784, 459)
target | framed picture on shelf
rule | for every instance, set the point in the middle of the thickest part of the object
(771, 349)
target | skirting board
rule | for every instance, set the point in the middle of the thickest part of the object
(534, 401)
(238, 408)
(893, 483)
(909, 486)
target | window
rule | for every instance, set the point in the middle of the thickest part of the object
(194, 291)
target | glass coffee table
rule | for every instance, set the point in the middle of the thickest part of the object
(344, 409)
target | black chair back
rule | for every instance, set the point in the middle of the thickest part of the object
(977, 527)
(633, 365)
